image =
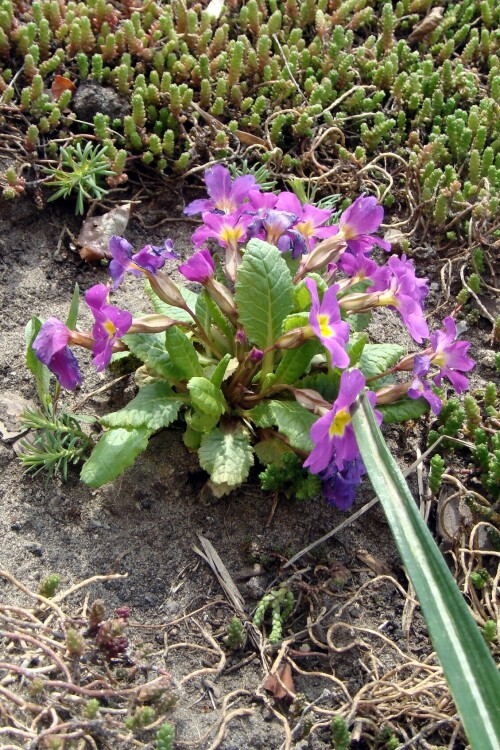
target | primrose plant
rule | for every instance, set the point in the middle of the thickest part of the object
(266, 361)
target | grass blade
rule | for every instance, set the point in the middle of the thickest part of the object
(467, 664)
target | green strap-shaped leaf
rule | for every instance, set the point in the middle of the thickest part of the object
(206, 397)
(469, 669)
(377, 358)
(294, 422)
(154, 407)
(404, 409)
(226, 454)
(39, 370)
(355, 348)
(115, 452)
(263, 292)
(170, 310)
(295, 362)
(182, 353)
(73, 309)
(217, 376)
(150, 349)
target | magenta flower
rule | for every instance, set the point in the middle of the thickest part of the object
(226, 195)
(358, 223)
(110, 324)
(200, 267)
(450, 356)
(310, 220)
(358, 267)
(51, 348)
(150, 258)
(227, 229)
(420, 388)
(403, 290)
(333, 433)
(272, 226)
(326, 323)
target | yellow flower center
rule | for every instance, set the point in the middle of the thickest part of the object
(324, 326)
(231, 234)
(340, 422)
(110, 327)
(306, 228)
(439, 360)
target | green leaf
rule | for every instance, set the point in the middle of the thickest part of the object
(150, 349)
(115, 452)
(73, 310)
(226, 454)
(154, 407)
(295, 362)
(294, 422)
(379, 357)
(271, 450)
(325, 383)
(202, 311)
(295, 320)
(359, 321)
(404, 410)
(200, 422)
(176, 313)
(39, 370)
(217, 376)
(206, 397)
(182, 353)
(263, 292)
(261, 415)
(355, 348)
(218, 317)
(471, 674)
(301, 294)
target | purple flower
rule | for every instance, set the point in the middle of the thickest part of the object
(227, 229)
(200, 267)
(225, 194)
(421, 388)
(358, 267)
(51, 348)
(310, 220)
(358, 222)
(326, 323)
(450, 356)
(404, 291)
(339, 486)
(110, 324)
(333, 433)
(150, 258)
(272, 225)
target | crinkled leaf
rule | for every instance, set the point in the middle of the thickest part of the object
(271, 450)
(202, 311)
(326, 384)
(261, 415)
(200, 422)
(295, 362)
(206, 397)
(404, 409)
(263, 292)
(226, 454)
(302, 295)
(355, 348)
(150, 349)
(218, 317)
(294, 422)
(182, 353)
(116, 451)
(295, 320)
(170, 310)
(379, 357)
(359, 321)
(154, 407)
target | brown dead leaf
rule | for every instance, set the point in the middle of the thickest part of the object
(96, 232)
(378, 566)
(394, 236)
(12, 406)
(426, 25)
(280, 685)
(61, 84)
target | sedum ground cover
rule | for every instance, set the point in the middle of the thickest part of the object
(400, 98)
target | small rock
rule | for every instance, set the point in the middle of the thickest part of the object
(35, 550)
(487, 358)
(15, 526)
(92, 98)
